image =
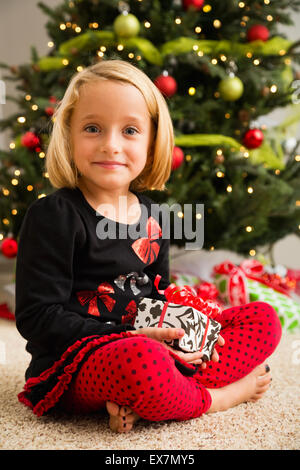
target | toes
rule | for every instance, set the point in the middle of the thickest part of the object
(117, 424)
(126, 427)
(260, 391)
(264, 380)
(114, 424)
(130, 419)
(121, 418)
(261, 369)
(112, 408)
(125, 410)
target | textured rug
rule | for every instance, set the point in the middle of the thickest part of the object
(271, 423)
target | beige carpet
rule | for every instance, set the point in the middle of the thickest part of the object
(271, 423)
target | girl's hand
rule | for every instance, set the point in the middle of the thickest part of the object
(160, 334)
(195, 358)
(168, 334)
(215, 355)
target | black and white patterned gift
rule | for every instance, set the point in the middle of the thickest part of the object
(201, 332)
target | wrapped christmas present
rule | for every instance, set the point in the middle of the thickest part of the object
(288, 309)
(294, 274)
(252, 281)
(183, 278)
(182, 309)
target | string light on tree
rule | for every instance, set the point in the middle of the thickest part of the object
(217, 24)
(207, 8)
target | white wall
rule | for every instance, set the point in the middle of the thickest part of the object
(22, 24)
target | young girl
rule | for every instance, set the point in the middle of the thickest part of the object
(77, 291)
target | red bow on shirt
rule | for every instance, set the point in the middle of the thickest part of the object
(103, 291)
(147, 248)
(131, 310)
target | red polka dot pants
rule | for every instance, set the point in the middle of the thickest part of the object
(140, 373)
(252, 333)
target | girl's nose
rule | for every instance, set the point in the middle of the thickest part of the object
(110, 143)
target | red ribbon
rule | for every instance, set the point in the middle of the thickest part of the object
(252, 269)
(186, 295)
(102, 292)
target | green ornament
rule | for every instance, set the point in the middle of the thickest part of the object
(126, 25)
(231, 88)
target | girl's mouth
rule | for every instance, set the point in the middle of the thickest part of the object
(109, 165)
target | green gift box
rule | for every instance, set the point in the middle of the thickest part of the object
(287, 308)
(181, 279)
(239, 285)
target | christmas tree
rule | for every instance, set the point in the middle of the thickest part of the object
(222, 67)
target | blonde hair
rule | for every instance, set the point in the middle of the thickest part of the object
(60, 164)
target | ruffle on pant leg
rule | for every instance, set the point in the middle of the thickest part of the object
(43, 392)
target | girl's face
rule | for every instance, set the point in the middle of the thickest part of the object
(111, 135)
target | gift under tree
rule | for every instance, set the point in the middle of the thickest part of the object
(222, 67)
(252, 281)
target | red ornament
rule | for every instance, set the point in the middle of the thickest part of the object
(9, 247)
(49, 110)
(30, 140)
(258, 32)
(166, 84)
(178, 157)
(197, 4)
(253, 138)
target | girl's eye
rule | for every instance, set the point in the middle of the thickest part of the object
(131, 130)
(94, 129)
(91, 129)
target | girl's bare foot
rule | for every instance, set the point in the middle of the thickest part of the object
(250, 388)
(121, 418)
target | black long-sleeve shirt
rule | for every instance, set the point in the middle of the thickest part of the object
(71, 283)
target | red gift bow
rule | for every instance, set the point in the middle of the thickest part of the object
(237, 292)
(252, 269)
(207, 291)
(186, 295)
(91, 296)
